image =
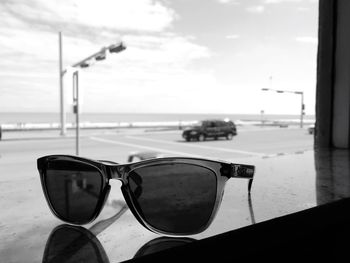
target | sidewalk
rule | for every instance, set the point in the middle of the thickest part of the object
(49, 134)
(71, 133)
(83, 132)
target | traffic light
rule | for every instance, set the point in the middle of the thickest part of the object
(101, 56)
(84, 65)
(117, 48)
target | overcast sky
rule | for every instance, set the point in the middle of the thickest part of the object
(182, 56)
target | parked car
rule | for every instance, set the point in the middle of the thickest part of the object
(311, 129)
(210, 129)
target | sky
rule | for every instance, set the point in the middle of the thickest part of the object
(182, 56)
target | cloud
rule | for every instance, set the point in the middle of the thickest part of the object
(164, 49)
(90, 25)
(161, 69)
(228, 1)
(156, 58)
(111, 14)
(307, 39)
(288, 1)
(303, 9)
(279, 1)
(258, 9)
(233, 36)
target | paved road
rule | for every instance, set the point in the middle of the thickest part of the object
(282, 183)
(117, 145)
(21, 154)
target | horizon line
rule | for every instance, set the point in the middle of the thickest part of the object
(144, 113)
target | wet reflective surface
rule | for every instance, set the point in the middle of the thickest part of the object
(73, 244)
(283, 184)
(68, 243)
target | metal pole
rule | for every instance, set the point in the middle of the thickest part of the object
(61, 73)
(102, 51)
(302, 110)
(76, 109)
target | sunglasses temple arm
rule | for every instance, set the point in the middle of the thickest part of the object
(250, 182)
(103, 224)
(251, 210)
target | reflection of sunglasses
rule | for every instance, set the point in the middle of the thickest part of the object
(68, 243)
(172, 195)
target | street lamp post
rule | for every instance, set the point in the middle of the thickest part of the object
(262, 118)
(100, 55)
(61, 73)
(294, 92)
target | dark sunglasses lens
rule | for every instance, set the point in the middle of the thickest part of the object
(176, 198)
(73, 189)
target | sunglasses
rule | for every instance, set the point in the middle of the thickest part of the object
(171, 195)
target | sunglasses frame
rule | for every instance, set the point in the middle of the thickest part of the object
(109, 170)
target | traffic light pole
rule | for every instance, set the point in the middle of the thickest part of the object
(294, 92)
(100, 55)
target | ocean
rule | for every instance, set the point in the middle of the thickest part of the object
(52, 117)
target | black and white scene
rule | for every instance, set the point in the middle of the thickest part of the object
(174, 130)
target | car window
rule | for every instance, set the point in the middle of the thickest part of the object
(206, 124)
(222, 124)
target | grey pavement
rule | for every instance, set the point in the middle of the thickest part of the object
(71, 133)
(56, 134)
(282, 185)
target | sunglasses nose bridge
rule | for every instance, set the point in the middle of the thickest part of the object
(119, 179)
(116, 172)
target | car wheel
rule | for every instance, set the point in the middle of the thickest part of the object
(188, 139)
(229, 136)
(201, 137)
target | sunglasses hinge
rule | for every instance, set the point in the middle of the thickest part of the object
(242, 171)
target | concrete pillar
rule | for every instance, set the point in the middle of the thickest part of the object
(333, 75)
(341, 96)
